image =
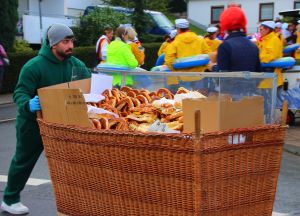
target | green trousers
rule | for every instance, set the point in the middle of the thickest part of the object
(28, 149)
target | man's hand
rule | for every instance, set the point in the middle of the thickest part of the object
(34, 104)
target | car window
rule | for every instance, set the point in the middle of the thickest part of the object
(161, 20)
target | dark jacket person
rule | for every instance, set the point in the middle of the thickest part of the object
(237, 52)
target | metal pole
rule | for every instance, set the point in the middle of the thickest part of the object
(41, 24)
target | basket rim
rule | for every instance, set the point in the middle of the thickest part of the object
(183, 135)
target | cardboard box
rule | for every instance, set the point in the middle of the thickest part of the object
(64, 103)
(220, 113)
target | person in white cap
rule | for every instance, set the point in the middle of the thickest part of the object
(136, 48)
(211, 38)
(169, 38)
(297, 34)
(53, 65)
(270, 48)
(102, 42)
(278, 32)
(173, 34)
(284, 30)
(186, 44)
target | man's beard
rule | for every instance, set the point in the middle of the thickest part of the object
(65, 55)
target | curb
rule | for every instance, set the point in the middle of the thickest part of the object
(292, 149)
(6, 102)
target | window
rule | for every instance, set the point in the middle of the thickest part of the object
(296, 4)
(215, 14)
(266, 11)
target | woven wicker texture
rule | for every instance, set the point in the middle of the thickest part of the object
(109, 172)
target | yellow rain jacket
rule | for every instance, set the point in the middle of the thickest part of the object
(281, 38)
(185, 44)
(270, 48)
(138, 54)
(297, 53)
(162, 48)
(213, 44)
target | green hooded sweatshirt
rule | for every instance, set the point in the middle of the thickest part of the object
(41, 71)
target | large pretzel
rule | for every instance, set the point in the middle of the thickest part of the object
(182, 90)
(104, 123)
(131, 94)
(146, 95)
(136, 102)
(154, 96)
(126, 89)
(125, 101)
(107, 93)
(174, 115)
(96, 123)
(163, 92)
(113, 123)
(142, 99)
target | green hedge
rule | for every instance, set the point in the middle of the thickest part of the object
(86, 54)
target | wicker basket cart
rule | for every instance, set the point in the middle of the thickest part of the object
(131, 173)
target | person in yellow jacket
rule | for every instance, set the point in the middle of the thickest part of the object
(270, 48)
(164, 45)
(137, 50)
(211, 38)
(297, 52)
(170, 38)
(119, 53)
(186, 44)
(278, 32)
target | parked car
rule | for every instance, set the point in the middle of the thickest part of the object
(161, 24)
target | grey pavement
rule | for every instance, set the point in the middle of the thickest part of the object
(6, 98)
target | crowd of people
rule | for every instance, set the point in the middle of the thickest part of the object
(225, 43)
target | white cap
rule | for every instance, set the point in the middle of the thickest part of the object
(278, 25)
(182, 23)
(268, 24)
(284, 26)
(173, 34)
(212, 29)
(298, 21)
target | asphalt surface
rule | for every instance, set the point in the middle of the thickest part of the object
(7, 111)
(40, 199)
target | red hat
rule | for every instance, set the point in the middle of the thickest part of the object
(233, 18)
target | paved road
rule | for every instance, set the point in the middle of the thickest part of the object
(40, 198)
(7, 111)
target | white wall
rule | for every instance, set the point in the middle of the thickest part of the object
(31, 27)
(199, 10)
(23, 7)
(82, 4)
(49, 8)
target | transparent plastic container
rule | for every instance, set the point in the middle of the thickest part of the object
(236, 84)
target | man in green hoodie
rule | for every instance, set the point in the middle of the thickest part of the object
(53, 65)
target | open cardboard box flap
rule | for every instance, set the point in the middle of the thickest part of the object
(64, 103)
(223, 113)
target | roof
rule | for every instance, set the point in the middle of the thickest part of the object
(291, 13)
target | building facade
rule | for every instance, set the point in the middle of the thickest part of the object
(35, 16)
(207, 12)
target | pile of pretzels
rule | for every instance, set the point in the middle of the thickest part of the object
(138, 109)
